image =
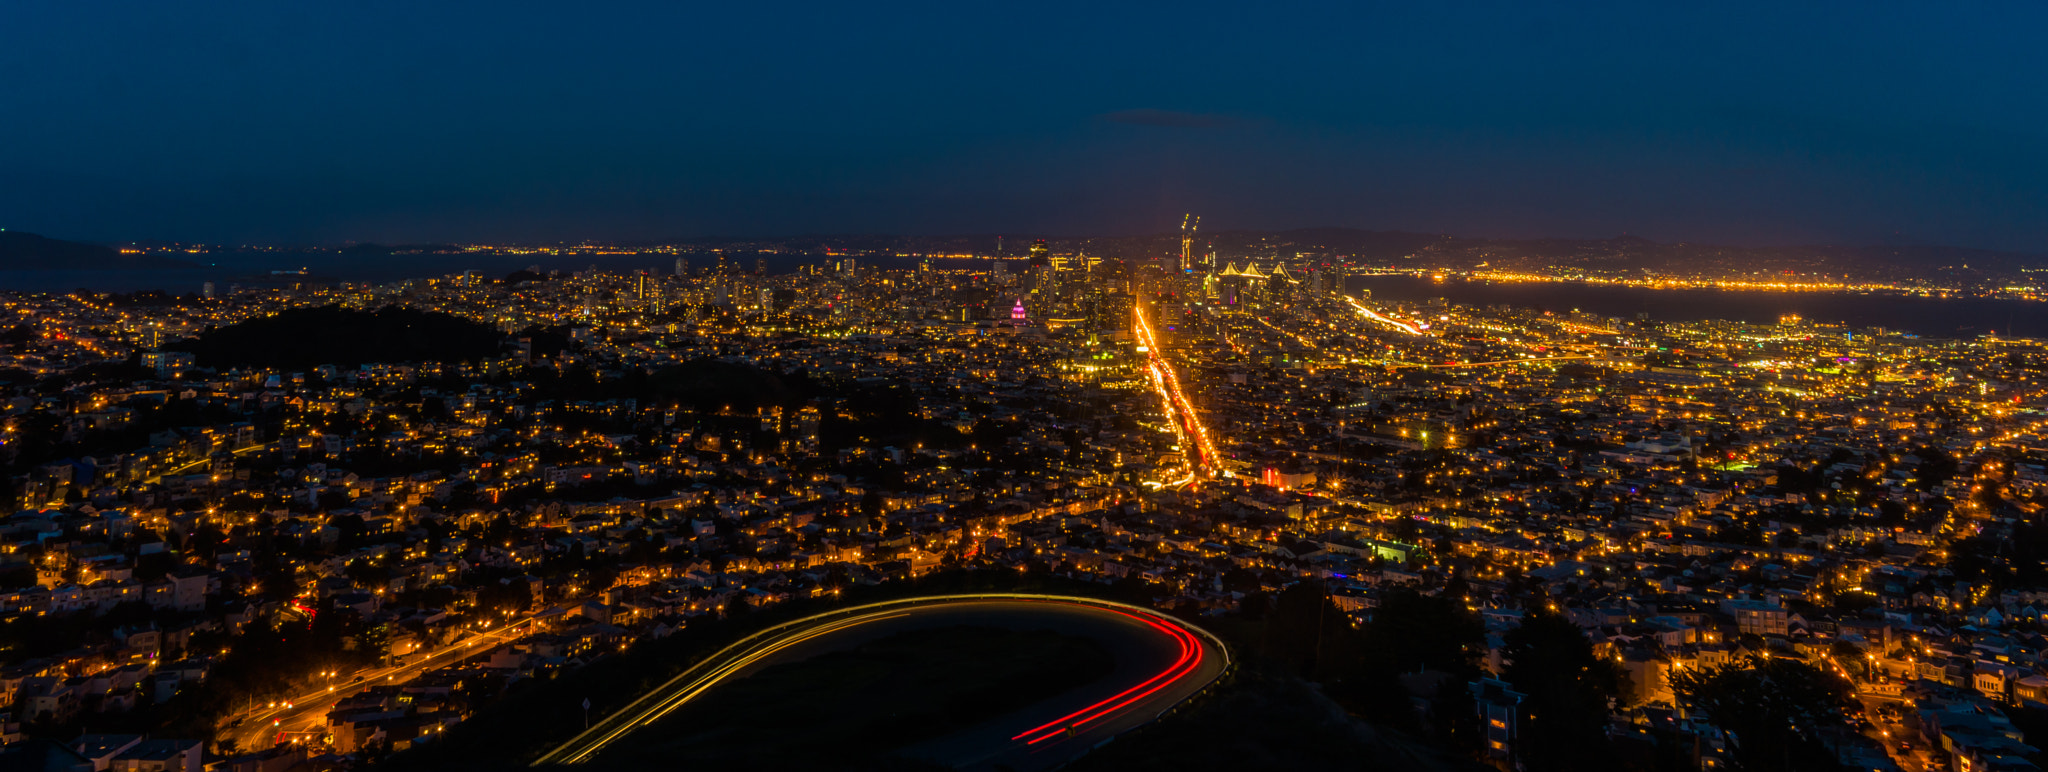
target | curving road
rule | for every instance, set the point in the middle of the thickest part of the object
(1160, 662)
(305, 714)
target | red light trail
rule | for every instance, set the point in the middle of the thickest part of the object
(1189, 660)
(735, 659)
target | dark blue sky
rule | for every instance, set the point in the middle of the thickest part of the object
(413, 121)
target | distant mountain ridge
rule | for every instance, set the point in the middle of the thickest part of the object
(21, 251)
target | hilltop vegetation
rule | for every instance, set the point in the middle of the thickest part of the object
(304, 338)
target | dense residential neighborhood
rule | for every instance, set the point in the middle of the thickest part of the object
(242, 537)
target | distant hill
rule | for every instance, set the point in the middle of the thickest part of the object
(29, 252)
(373, 249)
(1362, 243)
(708, 384)
(303, 338)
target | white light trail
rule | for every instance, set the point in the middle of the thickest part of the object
(1376, 316)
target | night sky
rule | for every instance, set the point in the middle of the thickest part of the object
(310, 123)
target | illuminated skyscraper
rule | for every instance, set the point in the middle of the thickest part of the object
(682, 266)
(1045, 281)
(1040, 253)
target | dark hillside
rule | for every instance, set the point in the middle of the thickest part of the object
(338, 336)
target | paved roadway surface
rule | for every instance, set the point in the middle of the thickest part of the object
(1159, 663)
(305, 714)
(1890, 733)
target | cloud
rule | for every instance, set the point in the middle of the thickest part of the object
(1146, 116)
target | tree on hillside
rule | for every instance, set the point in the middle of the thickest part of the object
(1429, 643)
(1411, 631)
(1564, 726)
(1307, 633)
(1773, 708)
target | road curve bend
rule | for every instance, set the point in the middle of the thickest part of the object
(1173, 662)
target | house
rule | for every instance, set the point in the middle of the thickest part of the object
(100, 749)
(277, 759)
(160, 756)
(1500, 707)
(44, 756)
(1755, 617)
